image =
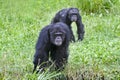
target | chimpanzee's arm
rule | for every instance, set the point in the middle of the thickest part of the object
(80, 28)
(40, 53)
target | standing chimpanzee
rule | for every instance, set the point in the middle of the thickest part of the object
(68, 16)
(52, 43)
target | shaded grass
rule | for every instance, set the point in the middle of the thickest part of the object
(20, 22)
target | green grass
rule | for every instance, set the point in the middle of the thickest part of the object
(98, 55)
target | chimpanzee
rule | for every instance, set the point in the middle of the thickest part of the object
(53, 42)
(68, 16)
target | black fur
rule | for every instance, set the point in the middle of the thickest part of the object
(63, 16)
(45, 47)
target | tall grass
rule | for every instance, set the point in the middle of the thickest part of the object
(98, 6)
(96, 57)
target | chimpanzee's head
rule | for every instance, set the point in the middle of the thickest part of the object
(73, 14)
(57, 34)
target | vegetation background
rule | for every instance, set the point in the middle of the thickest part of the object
(94, 58)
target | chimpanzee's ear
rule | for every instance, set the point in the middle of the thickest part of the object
(50, 29)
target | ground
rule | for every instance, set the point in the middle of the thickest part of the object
(20, 23)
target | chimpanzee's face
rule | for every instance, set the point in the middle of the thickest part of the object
(73, 14)
(57, 35)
